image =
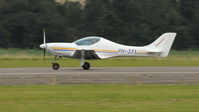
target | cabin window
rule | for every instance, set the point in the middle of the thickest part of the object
(87, 41)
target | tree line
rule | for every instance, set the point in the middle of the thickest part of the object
(132, 22)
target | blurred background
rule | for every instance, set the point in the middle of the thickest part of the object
(132, 22)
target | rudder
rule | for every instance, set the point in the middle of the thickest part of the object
(163, 44)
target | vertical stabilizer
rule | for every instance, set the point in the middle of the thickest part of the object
(163, 44)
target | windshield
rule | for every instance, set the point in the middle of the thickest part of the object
(87, 41)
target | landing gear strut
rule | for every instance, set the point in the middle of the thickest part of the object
(55, 66)
(86, 66)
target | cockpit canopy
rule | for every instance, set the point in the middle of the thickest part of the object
(87, 41)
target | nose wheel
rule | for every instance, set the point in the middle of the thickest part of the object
(55, 66)
(86, 66)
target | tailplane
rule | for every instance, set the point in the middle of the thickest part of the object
(163, 44)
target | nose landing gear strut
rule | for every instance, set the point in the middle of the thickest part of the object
(55, 65)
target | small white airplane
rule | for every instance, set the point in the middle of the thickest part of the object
(94, 47)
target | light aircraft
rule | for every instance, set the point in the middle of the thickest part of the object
(94, 47)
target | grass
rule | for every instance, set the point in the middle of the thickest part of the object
(100, 98)
(33, 58)
(125, 62)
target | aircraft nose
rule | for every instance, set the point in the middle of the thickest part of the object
(42, 46)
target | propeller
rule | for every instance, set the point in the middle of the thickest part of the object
(44, 43)
(44, 53)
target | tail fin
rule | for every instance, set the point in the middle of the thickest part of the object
(163, 44)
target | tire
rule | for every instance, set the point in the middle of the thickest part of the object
(86, 66)
(55, 66)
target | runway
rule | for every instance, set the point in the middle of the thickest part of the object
(108, 75)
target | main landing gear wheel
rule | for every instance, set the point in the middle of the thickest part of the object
(86, 66)
(55, 66)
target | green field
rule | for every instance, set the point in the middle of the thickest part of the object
(34, 58)
(100, 98)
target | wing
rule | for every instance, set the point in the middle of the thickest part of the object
(88, 54)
